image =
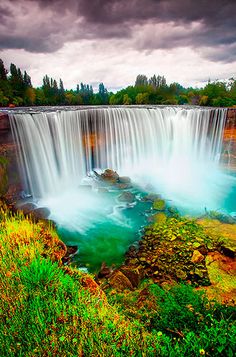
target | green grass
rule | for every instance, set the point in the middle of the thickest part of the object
(50, 310)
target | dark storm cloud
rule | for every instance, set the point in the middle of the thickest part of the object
(54, 22)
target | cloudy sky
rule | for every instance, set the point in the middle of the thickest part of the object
(187, 41)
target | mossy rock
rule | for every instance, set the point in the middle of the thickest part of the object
(166, 251)
(158, 218)
(159, 205)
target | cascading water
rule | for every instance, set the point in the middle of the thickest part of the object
(176, 150)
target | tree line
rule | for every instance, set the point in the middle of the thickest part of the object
(16, 90)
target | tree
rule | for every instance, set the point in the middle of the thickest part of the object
(3, 71)
(103, 93)
(127, 100)
(141, 80)
(142, 98)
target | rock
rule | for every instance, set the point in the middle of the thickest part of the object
(124, 179)
(133, 274)
(132, 252)
(119, 281)
(223, 236)
(158, 218)
(3, 176)
(102, 190)
(27, 207)
(199, 273)
(71, 250)
(197, 257)
(203, 249)
(222, 274)
(40, 213)
(159, 205)
(126, 197)
(109, 176)
(151, 197)
(173, 210)
(105, 271)
(89, 284)
(123, 186)
(181, 274)
(229, 249)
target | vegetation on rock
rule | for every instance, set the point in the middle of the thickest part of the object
(48, 309)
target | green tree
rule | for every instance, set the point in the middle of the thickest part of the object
(127, 100)
(141, 80)
(142, 98)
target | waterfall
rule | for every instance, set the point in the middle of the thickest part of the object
(175, 149)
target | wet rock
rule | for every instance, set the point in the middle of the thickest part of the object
(71, 251)
(40, 213)
(27, 207)
(119, 281)
(123, 186)
(173, 210)
(132, 252)
(159, 205)
(126, 197)
(105, 271)
(124, 179)
(102, 190)
(197, 257)
(151, 197)
(109, 176)
(158, 218)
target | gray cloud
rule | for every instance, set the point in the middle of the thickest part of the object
(45, 25)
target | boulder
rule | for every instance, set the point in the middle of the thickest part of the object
(197, 257)
(123, 186)
(133, 274)
(151, 197)
(40, 213)
(159, 205)
(158, 218)
(27, 207)
(109, 176)
(119, 281)
(228, 248)
(124, 179)
(126, 197)
(105, 271)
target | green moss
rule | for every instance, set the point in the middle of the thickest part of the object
(159, 205)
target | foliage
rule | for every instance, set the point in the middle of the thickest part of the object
(16, 89)
(186, 322)
(51, 310)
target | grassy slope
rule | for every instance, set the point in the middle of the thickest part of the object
(49, 310)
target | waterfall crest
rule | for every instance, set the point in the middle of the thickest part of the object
(173, 148)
